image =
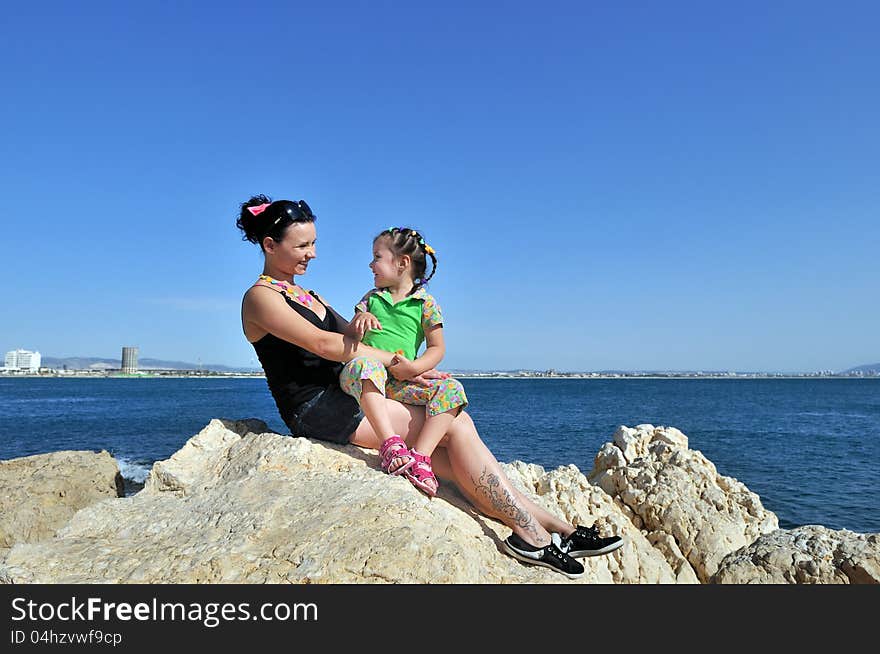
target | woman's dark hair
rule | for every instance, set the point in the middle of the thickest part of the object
(405, 240)
(261, 217)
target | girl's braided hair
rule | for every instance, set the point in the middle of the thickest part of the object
(405, 240)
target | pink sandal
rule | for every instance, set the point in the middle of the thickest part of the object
(422, 474)
(392, 449)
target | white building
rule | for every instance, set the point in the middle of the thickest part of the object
(23, 360)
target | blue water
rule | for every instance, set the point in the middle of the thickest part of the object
(809, 447)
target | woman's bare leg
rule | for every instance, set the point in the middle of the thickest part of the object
(463, 440)
(464, 458)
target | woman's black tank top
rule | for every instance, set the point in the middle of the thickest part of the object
(294, 374)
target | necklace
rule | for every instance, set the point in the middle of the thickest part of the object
(291, 290)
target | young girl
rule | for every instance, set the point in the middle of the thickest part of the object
(397, 316)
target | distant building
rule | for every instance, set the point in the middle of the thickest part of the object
(23, 360)
(129, 360)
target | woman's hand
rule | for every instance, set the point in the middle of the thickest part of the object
(405, 370)
(425, 378)
(433, 373)
(428, 376)
(362, 322)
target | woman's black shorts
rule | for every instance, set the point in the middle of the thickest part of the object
(332, 415)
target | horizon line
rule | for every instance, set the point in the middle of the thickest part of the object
(550, 369)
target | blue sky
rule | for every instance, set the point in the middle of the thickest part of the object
(632, 185)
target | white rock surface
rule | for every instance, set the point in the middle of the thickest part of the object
(240, 504)
(811, 554)
(678, 498)
(40, 493)
(261, 507)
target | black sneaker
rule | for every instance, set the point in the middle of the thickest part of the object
(549, 556)
(586, 541)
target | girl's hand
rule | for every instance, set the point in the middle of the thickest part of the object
(361, 323)
(402, 368)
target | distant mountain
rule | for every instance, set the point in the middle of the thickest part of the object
(867, 369)
(86, 363)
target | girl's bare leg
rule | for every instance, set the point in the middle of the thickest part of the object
(375, 408)
(432, 432)
(403, 418)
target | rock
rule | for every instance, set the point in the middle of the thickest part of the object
(39, 493)
(806, 555)
(241, 504)
(566, 493)
(201, 455)
(676, 492)
(239, 507)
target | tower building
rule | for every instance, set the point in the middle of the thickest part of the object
(129, 360)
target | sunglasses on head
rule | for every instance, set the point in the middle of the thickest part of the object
(304, 209)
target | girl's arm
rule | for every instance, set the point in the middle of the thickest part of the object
(434, 352)
(268, 311)
(432, 326)
(414, 370)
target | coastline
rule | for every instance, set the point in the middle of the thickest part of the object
(739, 424)
(469, 375)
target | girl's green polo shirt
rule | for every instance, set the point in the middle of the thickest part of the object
(403, 323)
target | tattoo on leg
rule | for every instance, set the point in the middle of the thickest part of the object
(501, 500)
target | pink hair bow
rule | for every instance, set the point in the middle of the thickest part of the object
(256, 211)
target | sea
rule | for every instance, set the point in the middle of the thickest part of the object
(809, 447)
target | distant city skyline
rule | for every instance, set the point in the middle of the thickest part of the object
(159, 362)
(673, 186)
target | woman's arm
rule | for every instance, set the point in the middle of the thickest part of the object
(362, 322)
(268, 311)
(359, 324)
(342, 321)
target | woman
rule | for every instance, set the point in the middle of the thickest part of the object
(302, 345)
